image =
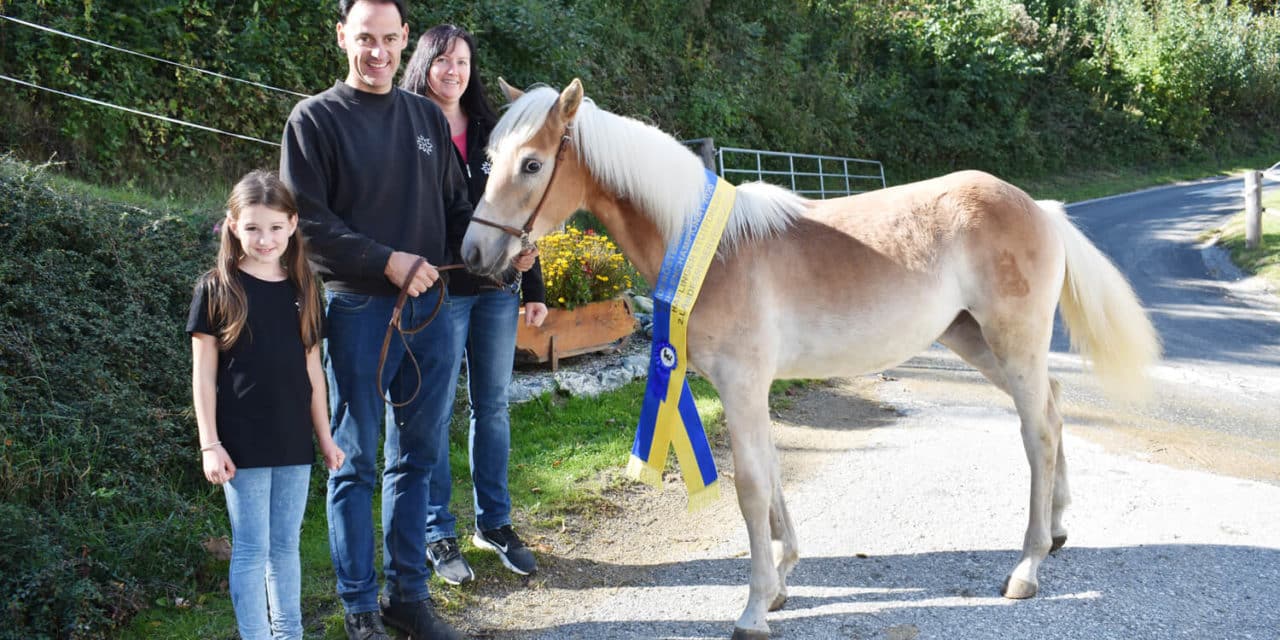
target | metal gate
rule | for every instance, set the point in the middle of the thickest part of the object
(813, 176)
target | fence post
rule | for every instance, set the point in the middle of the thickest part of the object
(1252, 209)
(707, 152)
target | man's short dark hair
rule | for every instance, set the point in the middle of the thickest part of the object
(344, 7)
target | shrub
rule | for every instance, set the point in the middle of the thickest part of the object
(579, 267)
(102, 506)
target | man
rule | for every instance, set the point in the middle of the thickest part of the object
(377, 190)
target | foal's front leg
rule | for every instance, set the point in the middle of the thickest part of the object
(755, 465)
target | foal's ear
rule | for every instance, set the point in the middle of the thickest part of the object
(511, 92)
(570, 100)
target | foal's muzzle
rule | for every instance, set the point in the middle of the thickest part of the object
(484, 252)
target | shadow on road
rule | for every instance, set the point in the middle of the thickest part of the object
(1156, 591)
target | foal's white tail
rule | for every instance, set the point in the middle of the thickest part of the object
(1106, 322)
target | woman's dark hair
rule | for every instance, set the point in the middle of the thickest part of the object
(344, 8)
(434, 43)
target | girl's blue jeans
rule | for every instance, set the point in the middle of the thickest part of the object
(411, 440)
(266, 505)
(485, 330)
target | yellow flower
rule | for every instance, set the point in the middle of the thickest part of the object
(582, 267)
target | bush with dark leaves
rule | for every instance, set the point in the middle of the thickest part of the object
(102, 506)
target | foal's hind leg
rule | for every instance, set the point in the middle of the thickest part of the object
(1061, 490)
(783, 533)
(1022, 371)
(964, 337)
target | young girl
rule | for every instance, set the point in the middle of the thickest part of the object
(259, 391)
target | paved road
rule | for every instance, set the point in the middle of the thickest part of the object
(908, 532)
(1219, 385)
(1154, 236)
(909, 536)
(1221, 336)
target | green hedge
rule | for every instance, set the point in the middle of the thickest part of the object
(102, 504)
(1017, 88)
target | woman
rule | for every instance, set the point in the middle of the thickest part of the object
(442, 69)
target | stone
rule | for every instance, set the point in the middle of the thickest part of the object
(584, 376)
(525, 388)
(642, 304)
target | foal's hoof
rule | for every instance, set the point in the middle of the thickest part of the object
(1058, 541)
(1017, 589)
(744, 634)
(778, 601)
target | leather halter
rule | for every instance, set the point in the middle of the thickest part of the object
(523, 232)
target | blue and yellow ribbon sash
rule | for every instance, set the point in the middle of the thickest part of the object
(669, 417)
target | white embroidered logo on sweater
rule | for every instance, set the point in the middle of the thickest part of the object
(424, 145)
(486, 167)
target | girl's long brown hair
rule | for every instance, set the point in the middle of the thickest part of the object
(226, 295)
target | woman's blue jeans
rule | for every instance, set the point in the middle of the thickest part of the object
(485, 330)
(411, 449)
(266, 505)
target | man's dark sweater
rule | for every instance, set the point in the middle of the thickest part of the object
(373, 174)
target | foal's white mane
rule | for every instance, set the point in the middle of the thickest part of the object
(642, 164)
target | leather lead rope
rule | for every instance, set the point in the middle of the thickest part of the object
(394, 326)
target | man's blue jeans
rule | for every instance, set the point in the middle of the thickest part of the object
(412, 446)
(265, 505)
(485, 329)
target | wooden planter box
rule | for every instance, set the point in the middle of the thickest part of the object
(570, 332)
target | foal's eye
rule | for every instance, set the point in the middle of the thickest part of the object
(532, 166)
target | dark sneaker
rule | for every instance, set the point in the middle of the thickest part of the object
(509, 547)
(365, 626)
(418, 619)
(447, 561)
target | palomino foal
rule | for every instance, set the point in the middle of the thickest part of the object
(838, 287)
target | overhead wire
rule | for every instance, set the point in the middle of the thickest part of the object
(137, 112)
(149, 57)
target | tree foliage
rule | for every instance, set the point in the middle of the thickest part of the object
(1016, 88)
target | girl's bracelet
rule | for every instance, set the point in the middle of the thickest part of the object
(211, 445)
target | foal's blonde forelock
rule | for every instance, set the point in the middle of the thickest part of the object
(520, 121)
(640, 163)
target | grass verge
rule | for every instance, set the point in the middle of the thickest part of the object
(1089, 184)
(1263, 261)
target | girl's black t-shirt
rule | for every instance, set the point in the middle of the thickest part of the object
(264, 395)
